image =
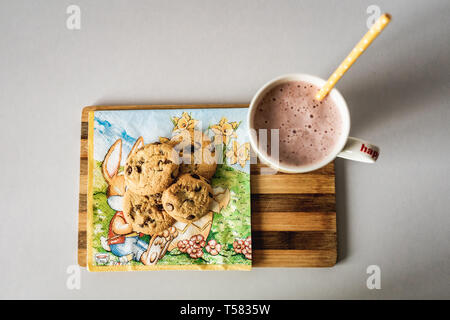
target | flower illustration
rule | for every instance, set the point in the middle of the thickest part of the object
(247, 252)
(224, 129)
(238, 245)
(239, 153)
(243, 246)
(184, 122)
(193, 247)
(248, 241)
(197, 241)
(195, 253)
(183, 245)
(213, 248)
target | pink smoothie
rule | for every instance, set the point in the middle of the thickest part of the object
(309, 129)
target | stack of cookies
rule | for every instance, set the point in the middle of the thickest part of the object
(169, 181)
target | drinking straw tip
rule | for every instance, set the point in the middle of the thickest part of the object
(374, 31)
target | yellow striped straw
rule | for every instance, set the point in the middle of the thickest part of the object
(362, 45)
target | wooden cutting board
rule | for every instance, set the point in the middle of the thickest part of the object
(293, 215)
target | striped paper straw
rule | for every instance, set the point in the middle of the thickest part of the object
(362, 45)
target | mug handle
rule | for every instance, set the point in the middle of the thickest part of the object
(359, 150)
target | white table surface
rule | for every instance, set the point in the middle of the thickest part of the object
(395, 214)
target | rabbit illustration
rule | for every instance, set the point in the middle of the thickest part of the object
(121, 241)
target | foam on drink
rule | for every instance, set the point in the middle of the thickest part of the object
(309, 129)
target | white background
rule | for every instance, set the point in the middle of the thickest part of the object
(394, 214)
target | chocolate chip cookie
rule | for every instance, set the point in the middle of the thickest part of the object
(146, 213)
(188, 199)
(196, 153)
(201, 162)
(151, 169)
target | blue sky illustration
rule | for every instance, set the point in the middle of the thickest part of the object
(129, 125)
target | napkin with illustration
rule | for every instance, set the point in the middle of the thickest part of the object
(220, 240)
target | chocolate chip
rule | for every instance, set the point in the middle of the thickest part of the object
(148, 220)
(198, 188)
(195, 176)
(147, 197)
(139, 169)
(129, 170)
(160, 207)
(190, 217)
(169, 207)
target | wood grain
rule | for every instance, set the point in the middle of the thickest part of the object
(294, 258)
(293, 240)
(292, 183)
(293, 221)
(289, 202)
(293, 215)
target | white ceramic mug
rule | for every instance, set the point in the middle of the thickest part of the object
(346, 147)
